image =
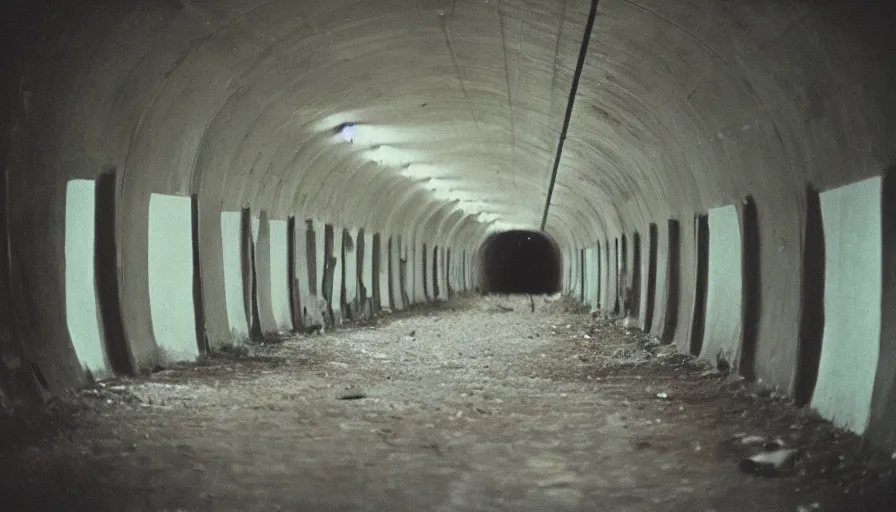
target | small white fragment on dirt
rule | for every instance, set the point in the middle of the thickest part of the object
(662, 396)
(587, 337)
(459, 414)
(568, 326)
(808, 508)
(752, 439)
(767, 463)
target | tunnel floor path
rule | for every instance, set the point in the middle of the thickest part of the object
(470, 407)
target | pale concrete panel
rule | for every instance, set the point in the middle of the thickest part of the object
(280, 274)
(367, 270)
(605, 275)
(301, 268)
(395, 277)
(578, 275)
(231, 246)
(320, 259)
(852, 304)
(591, 277)
(724, 289)
(612, 274)
(170, 276)
(351, 267)
(403, 277)
(662, 279)
(384, 277)
(81, 311)
(415, 274)
(567, 269)
(427, 271)
(442, 269)
(338, 283)
(688, 284)
(308, 277)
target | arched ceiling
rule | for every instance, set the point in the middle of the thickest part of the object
(457, 106)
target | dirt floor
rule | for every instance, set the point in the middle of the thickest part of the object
(468, 407)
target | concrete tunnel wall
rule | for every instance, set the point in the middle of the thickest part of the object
(685, 108)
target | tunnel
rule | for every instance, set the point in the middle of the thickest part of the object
(520, 262)
(184, 179)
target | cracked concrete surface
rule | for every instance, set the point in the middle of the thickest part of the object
(465, 409)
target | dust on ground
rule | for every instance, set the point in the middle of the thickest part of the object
(480, 404)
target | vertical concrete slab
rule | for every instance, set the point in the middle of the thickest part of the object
(279, 284)
(367, 268)
(660, 295)
(688, 282)
(674, 301)
(591, 277)
(403, 273)
(231, 245)
(395, 273)
(81, 311)
(306, 272)
(603, 262)
(376, 264)
(263, 292)
(443, 272)
(852, 295)
(320, 261)
(579, 284)
(724, 289)
(426, 271)
(170, 276)
(882, 423)
(566, 268)
(338, 284)
(350, 269)
(384, 276)
(415, 273)
(449, 270)
(612, 303)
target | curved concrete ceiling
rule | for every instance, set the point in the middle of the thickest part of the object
(682, 106)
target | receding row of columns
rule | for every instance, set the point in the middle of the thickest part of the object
(698, 284)
(254, 278)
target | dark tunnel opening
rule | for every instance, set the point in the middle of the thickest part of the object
(520, 262)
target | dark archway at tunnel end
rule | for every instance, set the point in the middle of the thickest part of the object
(520, 262)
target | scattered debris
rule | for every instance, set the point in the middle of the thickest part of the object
(630, 323)
(352, 393)
(662, 396)
(751, 439)
(768, 464)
